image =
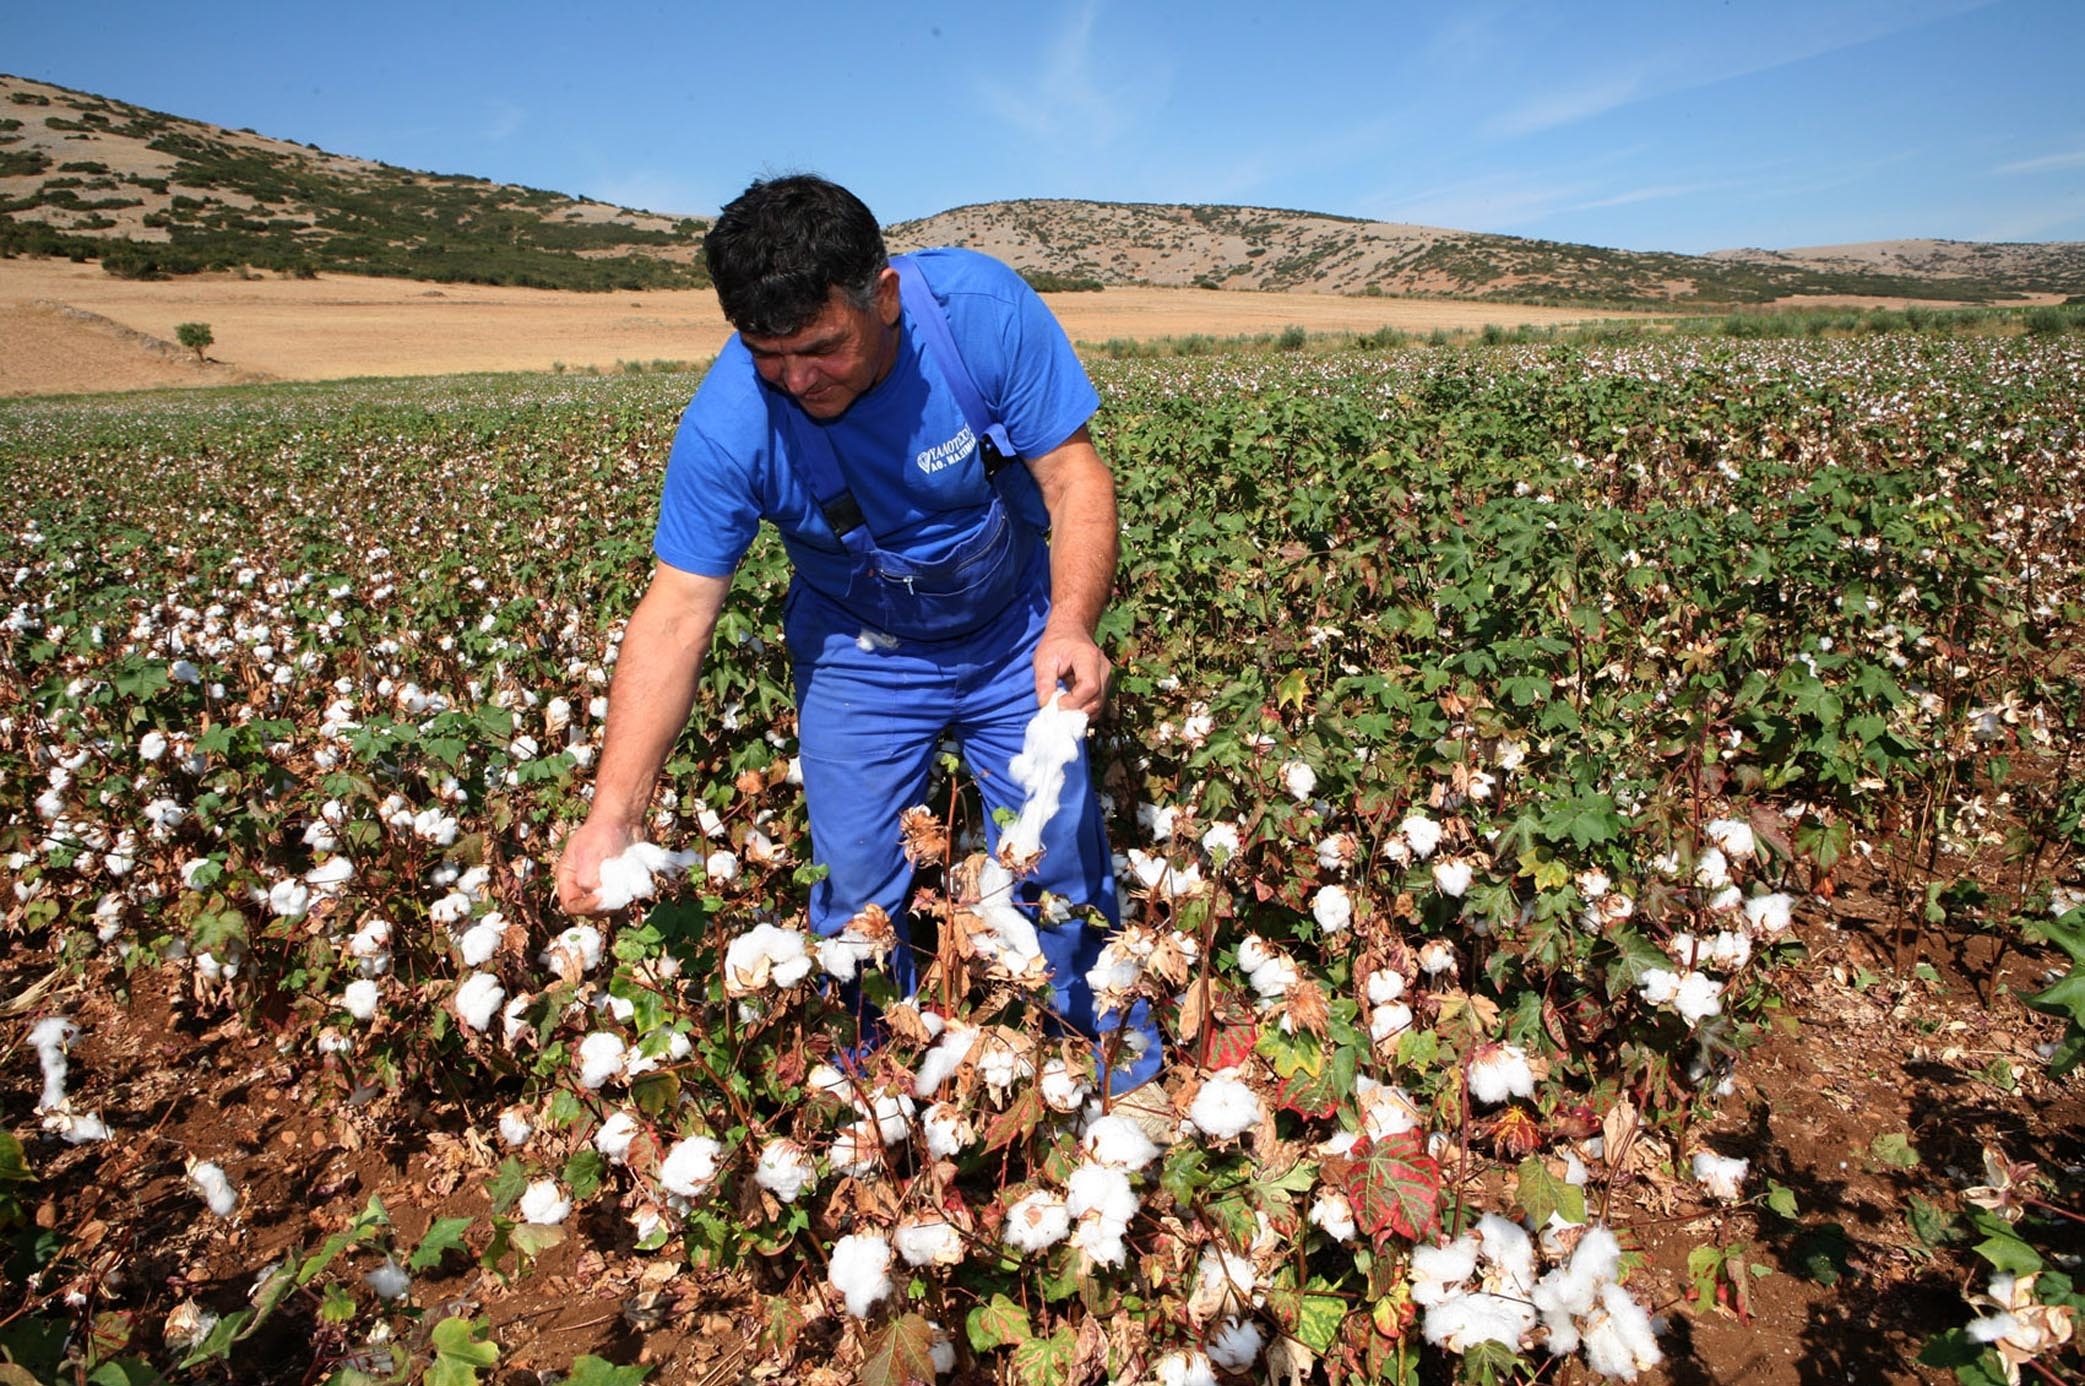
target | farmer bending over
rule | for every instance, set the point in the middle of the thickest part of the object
(926, 601)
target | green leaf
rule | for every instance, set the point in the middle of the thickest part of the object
(459, 1353)
(14, 1165)
(583, 1173)
(444, 1236)
(588, 1370)
(1781, 1199)
(1043, 1361)
(997, 1323)
(2008, 1253)
(1540, 1193)
(507, 1185)
(1894, 1150)
(901, 1353)
(532, 1239)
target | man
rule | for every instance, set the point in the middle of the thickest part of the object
(925, 602)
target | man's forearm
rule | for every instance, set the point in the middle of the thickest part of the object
(1084, 537)
(653, 689)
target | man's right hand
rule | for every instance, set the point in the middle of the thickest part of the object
(597, 840)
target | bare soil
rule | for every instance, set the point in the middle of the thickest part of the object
(71, 328)
(1870, 1043)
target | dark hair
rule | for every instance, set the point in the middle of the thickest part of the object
(781, 248)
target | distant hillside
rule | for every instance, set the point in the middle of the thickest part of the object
(1261, 248)
(148, 194)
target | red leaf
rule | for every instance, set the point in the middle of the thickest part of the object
(1016, 1121)
(1393, 1185)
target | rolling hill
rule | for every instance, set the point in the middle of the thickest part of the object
(148, 194)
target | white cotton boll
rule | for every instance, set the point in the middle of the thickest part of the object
(1222, 841)
(1036, 1222)
(624, 880)
(1728, 950)
(1452, 875)
(1062, 1089)
(51, 1037)
(513, 1019)
(320, 836)
(1421, 834)
(1236, 1344)
(1049, 744)
(1299, 779)
(1224, 1108)
(453, 908)
(1500, 1071)
(152, 745)
(1335, 851)
(947, 1055)
(78, 1128)
(544, 1204)
(330, 877)
(948, 1133)
(843, 954)
(613, 1139)
(1698, 998)
(1436, 956)
(690, 1167)
(360, 998)
(1770, 914)
(216, 1189)
(1157, 821)
(942, 1353)
(784, 1170)
(721, 867)
(1507, 1246)
(482, 940)
(1333, 908)
(1734, 836)
(1712, 869)
(857, 1151)
(434, 826)
(601, 1058)
(289, 899)
(1722, 1176)
(1119, 1142)
(389, 1281)
(765, 955)
(928, 1239)
(1334, 1213)
(578, 946)
(1462, 1321)
(891, 1114)
(1728, 898)
(517, 1124)
(860, 1271)
(1184, 1368)
(1225, 1282)
(1386, 1109)
(1389, 1020)
(478, 998)
(1991, 1328)
(1101, 1190)
(1623, 1342)
(1438, 1271)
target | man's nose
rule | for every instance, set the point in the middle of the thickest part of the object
(798, 374)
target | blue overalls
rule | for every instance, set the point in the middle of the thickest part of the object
(913, 652)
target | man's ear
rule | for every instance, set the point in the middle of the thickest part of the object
(889, 307)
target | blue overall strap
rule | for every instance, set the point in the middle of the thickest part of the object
(812, 452)
(926, 311)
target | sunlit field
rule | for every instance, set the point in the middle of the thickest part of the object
(1492, 727)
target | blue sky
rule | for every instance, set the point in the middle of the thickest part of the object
(1686, 125)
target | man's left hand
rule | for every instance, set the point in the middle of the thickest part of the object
(1069, 659)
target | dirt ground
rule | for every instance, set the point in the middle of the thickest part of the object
(68, 327)
(1870, 1044)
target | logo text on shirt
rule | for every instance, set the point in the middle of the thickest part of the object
(956, 449)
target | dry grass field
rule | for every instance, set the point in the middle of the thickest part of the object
(72, 328)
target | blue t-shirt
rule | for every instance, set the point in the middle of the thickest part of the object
(903, 446)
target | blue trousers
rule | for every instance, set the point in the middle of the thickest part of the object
(872, 712)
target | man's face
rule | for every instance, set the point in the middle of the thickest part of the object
(834, 359)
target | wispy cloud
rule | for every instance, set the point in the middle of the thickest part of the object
(1745, 45)
(1067, 98)
(2045, 164)
(504, 120)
